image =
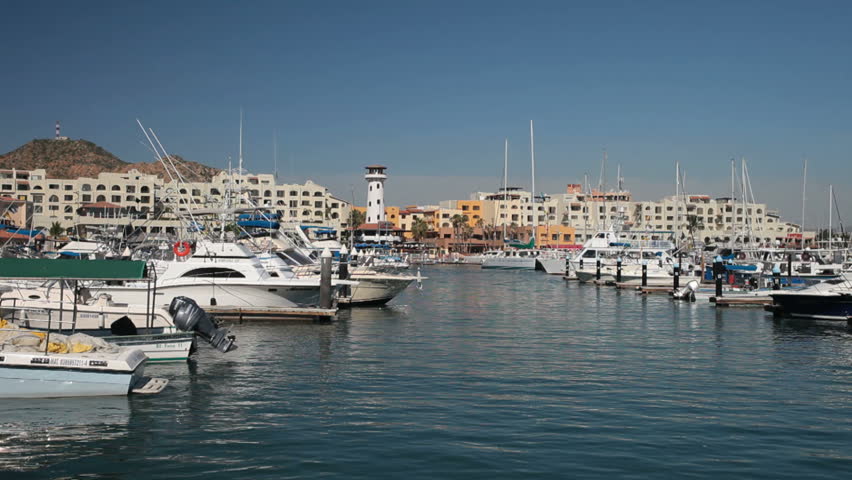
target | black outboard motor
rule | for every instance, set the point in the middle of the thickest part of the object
(188, 316)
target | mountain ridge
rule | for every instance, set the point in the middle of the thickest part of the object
(82, 158)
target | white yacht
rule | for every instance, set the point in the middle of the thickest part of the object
(367, 287)
(219, 274)
(608, 246)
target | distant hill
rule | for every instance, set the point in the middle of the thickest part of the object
(82, 158)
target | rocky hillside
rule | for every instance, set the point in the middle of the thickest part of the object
(82, 158)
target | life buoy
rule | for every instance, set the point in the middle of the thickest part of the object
(181, 249)
(806, 256)
(741, 256)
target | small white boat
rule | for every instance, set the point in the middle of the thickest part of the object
(27, 370)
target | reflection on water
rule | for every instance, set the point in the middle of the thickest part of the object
(39, 432)
(480, 374)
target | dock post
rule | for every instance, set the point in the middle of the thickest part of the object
(776, 278)
(581, 263)
(598, 269)
(644, 273)
(325, 279)
(676, 284)
(790, 269)
(343, 270)
(618, 270)
(719, 272)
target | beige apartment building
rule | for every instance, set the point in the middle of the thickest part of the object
(152, 204)
(717, 219)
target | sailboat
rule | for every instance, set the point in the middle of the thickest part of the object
(520, 256)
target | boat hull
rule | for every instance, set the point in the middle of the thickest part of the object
(375, 290)
(509, 263)
(219, 294)
(552, 266)
(821, 307)
(38, 375)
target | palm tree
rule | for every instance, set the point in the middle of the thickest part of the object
(419, 229)
(458, 221)
(693, 223)
(56, 229)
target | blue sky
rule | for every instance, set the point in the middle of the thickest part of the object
(432, 88)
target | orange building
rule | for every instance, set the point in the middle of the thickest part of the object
(391, 214)
(472, 209)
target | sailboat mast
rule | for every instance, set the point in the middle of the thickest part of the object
(677, 202)
(241, 143)
(830, 210)
(505, 182)
(804, 196)
(532, 162)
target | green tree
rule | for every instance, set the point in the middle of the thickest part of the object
(56, 229)
(457, 221)
(419, 229)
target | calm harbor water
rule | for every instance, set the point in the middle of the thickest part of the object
(479, 375)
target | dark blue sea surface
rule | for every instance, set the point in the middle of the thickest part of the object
(479, 375)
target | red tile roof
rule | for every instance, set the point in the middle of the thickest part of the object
(4, 235)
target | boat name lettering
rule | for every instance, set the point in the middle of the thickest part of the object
(97, 363)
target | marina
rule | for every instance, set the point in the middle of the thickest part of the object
(438, 240)
(445, 374)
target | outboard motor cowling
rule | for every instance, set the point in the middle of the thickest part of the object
(687, 292)
(189, 317)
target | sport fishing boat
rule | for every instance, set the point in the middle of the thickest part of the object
(366, 286)
(828, 300)
(223, 274)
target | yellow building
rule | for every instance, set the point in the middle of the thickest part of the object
(554, 235)
(391, 214)
(473, 210)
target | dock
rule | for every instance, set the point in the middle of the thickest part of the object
(273, 313)
(741, 301)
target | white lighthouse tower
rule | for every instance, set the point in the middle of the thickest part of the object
(375, 193)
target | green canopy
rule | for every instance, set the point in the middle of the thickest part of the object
(530, 244)
(43, 268)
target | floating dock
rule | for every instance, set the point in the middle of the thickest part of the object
(272, 313)
(741, 301)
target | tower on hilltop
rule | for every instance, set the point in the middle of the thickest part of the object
(375, 193)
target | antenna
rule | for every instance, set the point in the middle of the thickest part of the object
(57, 130)
(602, 177)
(275, 155)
